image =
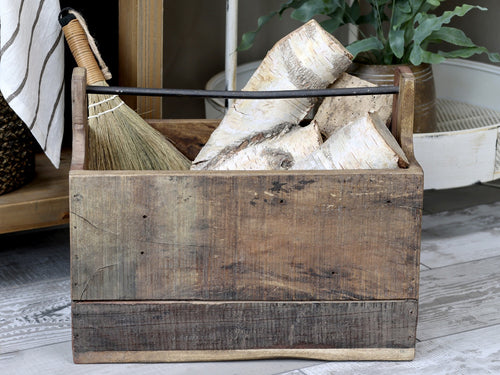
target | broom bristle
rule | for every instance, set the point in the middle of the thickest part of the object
(119, 139)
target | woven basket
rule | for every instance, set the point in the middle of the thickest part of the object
(17, 145)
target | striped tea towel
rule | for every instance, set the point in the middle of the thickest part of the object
(32, 68)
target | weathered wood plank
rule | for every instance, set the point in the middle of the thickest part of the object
(246, 236)
(79, 113)
(459, 298)
(221, 326)
(448, 237)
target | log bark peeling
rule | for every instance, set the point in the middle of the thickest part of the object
(278, 153)
(338, 111)
(365, 143)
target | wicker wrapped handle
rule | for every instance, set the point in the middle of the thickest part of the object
(78, 43)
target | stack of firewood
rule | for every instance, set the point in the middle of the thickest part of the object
(345, 133)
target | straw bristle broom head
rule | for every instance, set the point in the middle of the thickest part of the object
(118, 137)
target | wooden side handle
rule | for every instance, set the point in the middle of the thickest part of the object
(80, 48)
(403, 111)
(79, 157)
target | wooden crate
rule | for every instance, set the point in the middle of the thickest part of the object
(211, 265)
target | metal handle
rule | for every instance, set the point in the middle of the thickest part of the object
(282, 94)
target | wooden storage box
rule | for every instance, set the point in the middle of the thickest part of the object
(207, 265)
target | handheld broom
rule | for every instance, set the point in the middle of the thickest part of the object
(118, 137)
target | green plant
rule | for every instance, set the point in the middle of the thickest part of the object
(391, 31)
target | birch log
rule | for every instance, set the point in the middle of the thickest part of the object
(365, 143)
(307, 58)
(338, 111)
(280, 152)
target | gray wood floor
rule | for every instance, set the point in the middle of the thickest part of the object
(459, 309)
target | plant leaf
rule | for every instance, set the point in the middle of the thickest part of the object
(469, 51)
(450, 35)
(332, 24)
(435, 3)
(291, 4)
(311, 8)
(248, 38)
(427, 24)
(365, 45)
(403, 6)
(397, 42)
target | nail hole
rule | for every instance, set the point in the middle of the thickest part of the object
(144, 216)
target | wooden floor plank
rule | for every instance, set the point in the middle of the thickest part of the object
(34, 314)
(474, 352)
(461, 236)
(57, 360)
(459, 298)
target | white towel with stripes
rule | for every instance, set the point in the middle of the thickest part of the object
(32, 68)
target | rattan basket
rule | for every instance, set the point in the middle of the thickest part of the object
(17, 155)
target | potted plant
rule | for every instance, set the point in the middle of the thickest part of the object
(391, 32)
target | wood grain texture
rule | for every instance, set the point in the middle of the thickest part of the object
(188, 136)
(186, 326)
(448, 237)
(459, 298)
(79, 116)
(247, 355)
(141, 52)
(403, 109)
(41, 203)
(246, 236)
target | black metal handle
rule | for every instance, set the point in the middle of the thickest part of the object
(282, 94)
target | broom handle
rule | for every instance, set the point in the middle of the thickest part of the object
(80, 48)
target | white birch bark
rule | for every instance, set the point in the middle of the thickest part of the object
(338, 111)
(278, 153)
(365, 143)
(307, 58)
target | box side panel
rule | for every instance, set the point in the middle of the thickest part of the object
(245, 237)
(179, 326)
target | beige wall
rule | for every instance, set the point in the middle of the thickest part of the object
(194, 45)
